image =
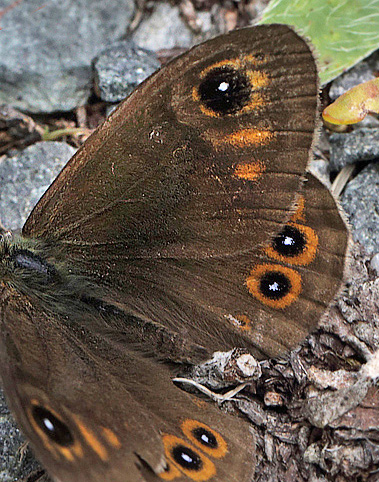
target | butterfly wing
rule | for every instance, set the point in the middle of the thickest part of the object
(94, 410)
(199, 166)
(166, 174)
(266, 301)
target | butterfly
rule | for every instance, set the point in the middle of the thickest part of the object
(184, 225)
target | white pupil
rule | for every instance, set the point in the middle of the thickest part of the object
(274, 286)
(205, 438)
(224, 86)
(187, 458)
(48, 424)
(288, 241)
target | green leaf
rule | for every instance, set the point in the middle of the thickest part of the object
(354, 105)
(343, 31)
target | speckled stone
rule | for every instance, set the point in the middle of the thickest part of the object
(25, 176)
(166, 29)
(46, 49)
(361, 202)
(360, 145)
(13, 466)
(120, 68)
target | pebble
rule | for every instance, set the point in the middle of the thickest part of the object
(120, 68)
(359, 145)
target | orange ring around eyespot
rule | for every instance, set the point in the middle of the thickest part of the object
(189, 425)
(207, 471)
(299, 215)
(304, 258)
(254, 279)
(170, 473)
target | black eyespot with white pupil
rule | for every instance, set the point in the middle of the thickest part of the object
(187, 458)
(290, 242)
(225, 90)
(54, 428)
(274, 285)
(205, 437)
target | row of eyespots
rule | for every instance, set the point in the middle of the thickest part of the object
(278, 286)
(188, 458)
(59, 439)
(230, 87)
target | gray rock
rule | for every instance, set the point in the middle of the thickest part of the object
(359, 145)
(12, 465)
(25, 176)
(120, 68)
(46, 50)
(164, 29)
(361, 202)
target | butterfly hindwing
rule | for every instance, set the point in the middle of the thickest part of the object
(94, 410)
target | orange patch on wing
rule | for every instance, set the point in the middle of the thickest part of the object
(299, 215)
(207, 469)
(240, 321)
(242, 138)
(250, 171)
(111, 437)
(253, 282)
(199, 403)
(92, 440)
(258, 79)
(254, 59)
(170, 473)
(248, 137)
(67, 453)
(304, 258)
(77, 449)
(188, 427)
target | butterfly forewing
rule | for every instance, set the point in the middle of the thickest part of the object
(203, 159)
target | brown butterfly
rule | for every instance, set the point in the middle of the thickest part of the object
(184, 225)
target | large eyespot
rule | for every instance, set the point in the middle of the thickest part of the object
(274, 285)
(30, 261)
(52, 426)
(188, 459)
(224, 90)
(296, 245)
(290, 242)
(205, 438)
